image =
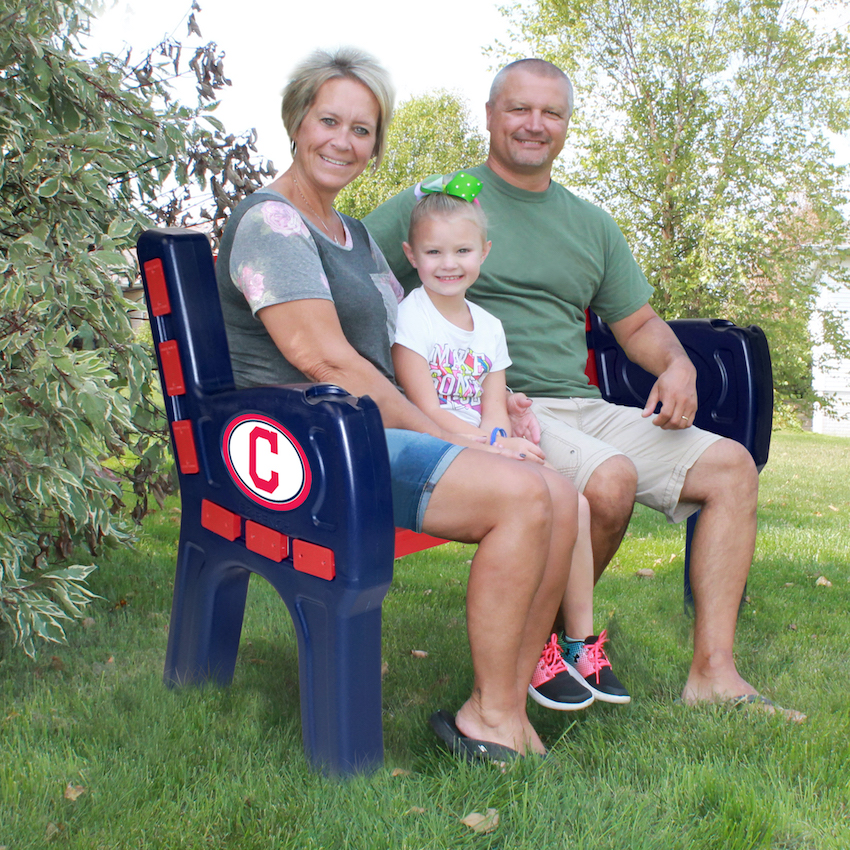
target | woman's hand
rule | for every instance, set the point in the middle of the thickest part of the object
(524, 448)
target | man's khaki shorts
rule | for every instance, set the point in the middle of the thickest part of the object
(578, 434)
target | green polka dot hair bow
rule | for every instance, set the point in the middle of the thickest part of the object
(460, 184)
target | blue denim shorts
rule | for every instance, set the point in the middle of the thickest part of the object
(417, 462)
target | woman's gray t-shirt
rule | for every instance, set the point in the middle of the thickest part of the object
(270, 255)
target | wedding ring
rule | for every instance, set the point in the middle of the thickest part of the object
(685, 418)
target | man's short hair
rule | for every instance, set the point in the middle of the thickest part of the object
(540, 67)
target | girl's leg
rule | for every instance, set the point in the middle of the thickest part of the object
(589, 659)
(577, 606)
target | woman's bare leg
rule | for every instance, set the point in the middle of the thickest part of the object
(515, 581)
(551, 591)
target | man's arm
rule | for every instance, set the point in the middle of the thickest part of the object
(648, 341)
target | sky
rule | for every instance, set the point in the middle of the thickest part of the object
(425, 46)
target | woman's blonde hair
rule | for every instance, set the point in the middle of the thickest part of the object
(347, 63)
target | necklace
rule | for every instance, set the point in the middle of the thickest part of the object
(309, 207)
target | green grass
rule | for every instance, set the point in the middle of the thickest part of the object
(223, 768)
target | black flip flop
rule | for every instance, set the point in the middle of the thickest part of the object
(470, 749)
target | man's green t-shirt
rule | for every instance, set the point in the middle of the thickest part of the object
(553, 256)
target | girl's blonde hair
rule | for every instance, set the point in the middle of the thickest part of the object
(439, 205)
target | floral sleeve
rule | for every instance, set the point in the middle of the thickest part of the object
(274, 258)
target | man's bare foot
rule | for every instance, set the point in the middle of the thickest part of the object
(748, 697)
(764, 704)
(716, 680)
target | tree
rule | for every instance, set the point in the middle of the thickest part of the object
(703, 127)
(86, 146)
(430, 134)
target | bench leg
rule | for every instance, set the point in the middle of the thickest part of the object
(206, 619)
(339, 657)
(689, 536)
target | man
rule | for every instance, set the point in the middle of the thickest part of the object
(554, 255)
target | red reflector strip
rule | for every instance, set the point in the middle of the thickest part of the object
(157, 291)
(313, 559)
(267, 542)
(184, 445)
(172, 370)
(220, 521)
(407, 542)
(590, 368)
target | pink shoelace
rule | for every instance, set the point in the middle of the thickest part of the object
(551, 662)
(595, 656)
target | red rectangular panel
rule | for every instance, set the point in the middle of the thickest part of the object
(172, 369)
(267, 542)
(220, 521)
(313, 559)
(157, 290)
(184, 443)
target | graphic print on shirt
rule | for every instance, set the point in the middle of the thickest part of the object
(458, 374)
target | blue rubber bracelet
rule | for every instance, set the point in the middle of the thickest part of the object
(497, 432)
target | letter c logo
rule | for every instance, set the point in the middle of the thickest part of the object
(267, 485)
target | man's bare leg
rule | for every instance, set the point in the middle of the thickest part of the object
(611, 493)
(515, 583)
(725, 482)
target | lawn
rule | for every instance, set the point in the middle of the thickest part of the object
(96, 753)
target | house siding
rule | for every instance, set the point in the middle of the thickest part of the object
(834, 380)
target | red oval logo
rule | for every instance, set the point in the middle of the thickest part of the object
(266, 462)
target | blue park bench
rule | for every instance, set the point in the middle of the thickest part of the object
(292, 483)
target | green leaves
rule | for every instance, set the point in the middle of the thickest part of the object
(49, 187)
(702, 126)
(429, 134)
(84, 154)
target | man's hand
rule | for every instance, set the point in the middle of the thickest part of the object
(676, 391)
(648, 341)
(523, 421)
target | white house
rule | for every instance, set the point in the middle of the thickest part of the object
(833, 378)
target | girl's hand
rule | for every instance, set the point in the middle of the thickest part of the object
(525, 448)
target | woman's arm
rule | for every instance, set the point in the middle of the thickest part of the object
(308, 334)
(414, 375)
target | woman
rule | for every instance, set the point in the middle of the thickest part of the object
(308, 296)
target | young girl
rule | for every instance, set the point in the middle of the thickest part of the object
(450, 358)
